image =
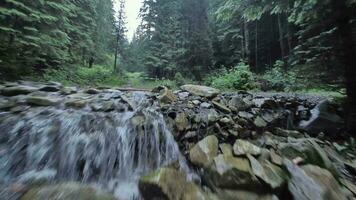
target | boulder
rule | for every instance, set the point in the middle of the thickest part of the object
(324, 119)
(169, 184)
(42, 101)
(181, 122)
(231, 173)
(199, 90)
(238, 103)
(312, 183)
(167, 96)
(260, 122)
(243, 147)
(203, 153)
(76, 103)
(66, 191)
(92, 91)
(69, 90)
(17, 90)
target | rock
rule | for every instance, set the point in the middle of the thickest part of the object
(69, 90)
(42, 101)
(324, 119)
(226, 149)
(169, 184)
(259, 122)
(203, 153)
(102, 106)
(199, 90)
(231, 173)
(271, 174)
(66, 191)
(349, 185)
(288, 133)
(221, 107)
(196, 102)
(17, 90)
(312, 183)
(167, 96)
(183, 95)
(237, 103)
(244, 195)
(226, 120)
(190, 134)
(6, 104)
(92, 91)
(50, 88)
(243, 147)
(275, 158)
(205, 105)
(245, 115)
(181, 122)
(76, 103)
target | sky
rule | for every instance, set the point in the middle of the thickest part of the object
(132, 9)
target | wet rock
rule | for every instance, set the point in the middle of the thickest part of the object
(183, 95)
(76, 103)
(237, 103)
(324, 119)
(221, 107)
(6, 104)
(203, 153)
(167, 96)
(243, 147)
(103, 106)
(66, 191)
(271, 174)
(92, 91)
(245, 115)
(231, 173)
(42, 101)
(260, 122)
(199, 90)
(288, 133)
(169, 184)
(69, 90)
(181, 122)
(205, 105)
(244, 195)
(17, 90)
(50, 88)
(312, 183)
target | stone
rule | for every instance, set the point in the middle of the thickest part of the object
(203, 153)
(196, 102)
(205, 105)
(226, 149)
(6, 104)
(102, 106)
(244, 195)
(275, 158)
(245, 115)
(231, 173)
(181, 122)
(243, 147)
(66, 191)
(183, 95)
(271, 174)
(199, 90)
(50, 88)
(260, 123)
(92, 91)
(76, 103)
(312, 183)
(17, 90)
(169, 184)
(226, 120)
(324, 119)
(167, 96)
(288, 133)
(221, 107)
(237, 103)
(42, 101)
(69, 90)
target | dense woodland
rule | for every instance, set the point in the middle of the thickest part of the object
(233, 44)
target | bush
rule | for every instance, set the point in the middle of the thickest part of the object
(97, 75)
(238, 78)
(278, 79)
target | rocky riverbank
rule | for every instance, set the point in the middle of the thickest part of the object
(240, 145)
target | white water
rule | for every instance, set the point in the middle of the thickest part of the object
(104, 149)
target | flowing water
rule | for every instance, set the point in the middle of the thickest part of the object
(107, 149)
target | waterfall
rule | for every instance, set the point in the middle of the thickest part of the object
(108, 149)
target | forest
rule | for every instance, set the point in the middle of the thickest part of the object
(187, 100)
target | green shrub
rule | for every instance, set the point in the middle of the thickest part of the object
(279, 79)
(237, 78)
(97, 75)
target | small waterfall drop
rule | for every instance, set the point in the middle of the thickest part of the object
(110, 150)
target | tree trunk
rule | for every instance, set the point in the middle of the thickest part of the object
(281, 41)
(116, 52)
(256, 46)
(348, 59)
(247, 41)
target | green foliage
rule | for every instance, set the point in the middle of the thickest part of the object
(279, 79)
(97, 75)
(237, 78)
